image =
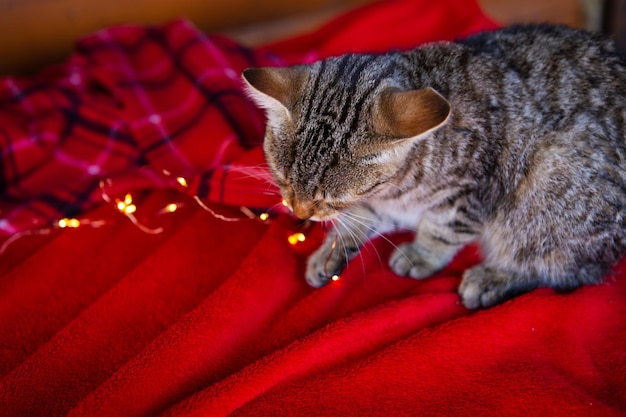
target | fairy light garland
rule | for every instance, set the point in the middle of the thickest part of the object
(64, 223)
(128, 208)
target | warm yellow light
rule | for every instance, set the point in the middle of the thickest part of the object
(127, 205)
(296, 237)
(65, 222)
(335, 278)
(171, 208)
(285, 203)
(182, 181)
(264, 216)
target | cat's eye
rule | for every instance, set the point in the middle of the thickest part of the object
(320, 195)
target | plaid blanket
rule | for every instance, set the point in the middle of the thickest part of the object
(132, 104)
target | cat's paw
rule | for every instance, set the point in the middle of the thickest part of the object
(322, 266)
(484, 287)
(408, 262)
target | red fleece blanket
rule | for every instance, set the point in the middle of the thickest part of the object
(148, 270)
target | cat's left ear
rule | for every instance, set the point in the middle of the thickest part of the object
(410, 114)
(275, 88)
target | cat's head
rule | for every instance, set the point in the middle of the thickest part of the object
(339, 130)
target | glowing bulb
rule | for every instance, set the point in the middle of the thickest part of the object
(182, 181)
(130, 209)
(285, 203)
(264, 216)
(65, 222)
(171, 208)
(127, 205)
(295, 238)
(335, 277)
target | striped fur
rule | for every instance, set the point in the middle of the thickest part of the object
(514, 139)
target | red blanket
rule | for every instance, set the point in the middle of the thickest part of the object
(116, 302)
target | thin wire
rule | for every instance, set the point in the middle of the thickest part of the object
(215, 214)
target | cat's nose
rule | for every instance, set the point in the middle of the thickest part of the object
(302, 210)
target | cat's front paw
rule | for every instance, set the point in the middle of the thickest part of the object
(484, 287)
(322, 266)
(407, 261)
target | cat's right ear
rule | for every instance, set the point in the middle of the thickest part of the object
(275, 89)
(410, 114)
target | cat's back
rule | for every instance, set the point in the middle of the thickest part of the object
(552, 55)
(564, 93)
(545, 79)
(533, 43)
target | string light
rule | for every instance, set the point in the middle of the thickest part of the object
(182, 181)
(128, 208)
(71, 223)
(60, 224)
(214, 213)
(296, 238)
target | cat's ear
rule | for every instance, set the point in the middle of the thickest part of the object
(274, 88)
(409, 114)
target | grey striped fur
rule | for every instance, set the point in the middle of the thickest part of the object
(515, 139)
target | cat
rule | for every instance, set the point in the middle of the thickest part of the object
(514, 139)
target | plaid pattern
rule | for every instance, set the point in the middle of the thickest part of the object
(132, 103)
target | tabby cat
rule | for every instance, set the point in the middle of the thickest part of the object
(515, 139)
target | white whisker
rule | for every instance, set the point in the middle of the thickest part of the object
(389, 224)
(352, 230)
(257, 173)
(355, 219)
